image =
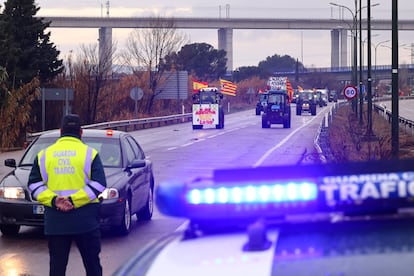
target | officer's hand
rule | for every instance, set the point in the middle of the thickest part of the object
(63, 204)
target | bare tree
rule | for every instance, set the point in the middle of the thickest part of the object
(92, 71)
(145, 48)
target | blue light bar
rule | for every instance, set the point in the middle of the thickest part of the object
(251, 193)
(206, 200)
(362, 188)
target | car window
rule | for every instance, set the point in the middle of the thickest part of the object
(139, 153)
(263, 97)
(129, 151)
(275, 98)
(307, 95)
(208, 97)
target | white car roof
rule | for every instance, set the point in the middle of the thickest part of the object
(214, 255)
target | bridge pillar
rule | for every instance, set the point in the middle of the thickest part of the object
(335, 48)
(339, 48)
(343, 44)
(225, 42)
(105, 50)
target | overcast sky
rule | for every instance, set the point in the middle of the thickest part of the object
(249, 46)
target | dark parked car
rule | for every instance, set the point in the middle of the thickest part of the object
(130, 183)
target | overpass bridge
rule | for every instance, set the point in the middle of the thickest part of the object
(225, 26)
(344, 74)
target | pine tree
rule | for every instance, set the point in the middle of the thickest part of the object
(25, 48)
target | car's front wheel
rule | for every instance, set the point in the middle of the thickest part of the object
(9, 229)
(125, 227)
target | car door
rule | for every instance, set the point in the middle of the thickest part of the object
(139, 178)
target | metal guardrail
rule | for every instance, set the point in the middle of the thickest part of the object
(380, 109)
(128, 125)
(406, 124)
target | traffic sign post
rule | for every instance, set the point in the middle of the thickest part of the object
(350, 92)
(136, 94)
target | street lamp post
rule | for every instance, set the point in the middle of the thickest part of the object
(394, 101)
(375, 52)
(363, 45)
(369, 84)
(361, 98)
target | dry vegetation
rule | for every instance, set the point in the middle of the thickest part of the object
(348, 139)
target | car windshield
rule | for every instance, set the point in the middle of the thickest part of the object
(263, 97)
(275, 98)
(108, 148)
(34, 149)
(306, 95)
(208, 97)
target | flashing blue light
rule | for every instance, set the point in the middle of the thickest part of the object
(264, 193)
(195, 196)
(381, 186)
(223, 195)
(250, 194)
(236, 194)
(210, 195)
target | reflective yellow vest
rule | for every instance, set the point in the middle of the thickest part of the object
(66, 170)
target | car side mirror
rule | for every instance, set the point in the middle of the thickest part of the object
(137, 163)
(10, 163)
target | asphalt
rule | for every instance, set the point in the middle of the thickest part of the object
(7, 155)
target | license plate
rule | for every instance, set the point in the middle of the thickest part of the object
(38, 209)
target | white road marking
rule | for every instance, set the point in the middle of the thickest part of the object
(281, 143)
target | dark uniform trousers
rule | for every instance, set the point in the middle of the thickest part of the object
(89, 245)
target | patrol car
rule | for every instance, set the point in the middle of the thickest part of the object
(329, 219)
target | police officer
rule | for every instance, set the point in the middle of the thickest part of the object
(67, 178)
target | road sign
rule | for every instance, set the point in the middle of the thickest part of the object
(173, 86)
(57, 94)
(136, 93)
(350, 92)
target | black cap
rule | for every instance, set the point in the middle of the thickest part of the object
(71, 124)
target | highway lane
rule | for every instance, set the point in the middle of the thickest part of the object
(179, 153)
(405, 108)
(242, 143)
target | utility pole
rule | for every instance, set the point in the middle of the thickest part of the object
(394, 104)
(369, 82)
(355, 47)
(361, 62)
